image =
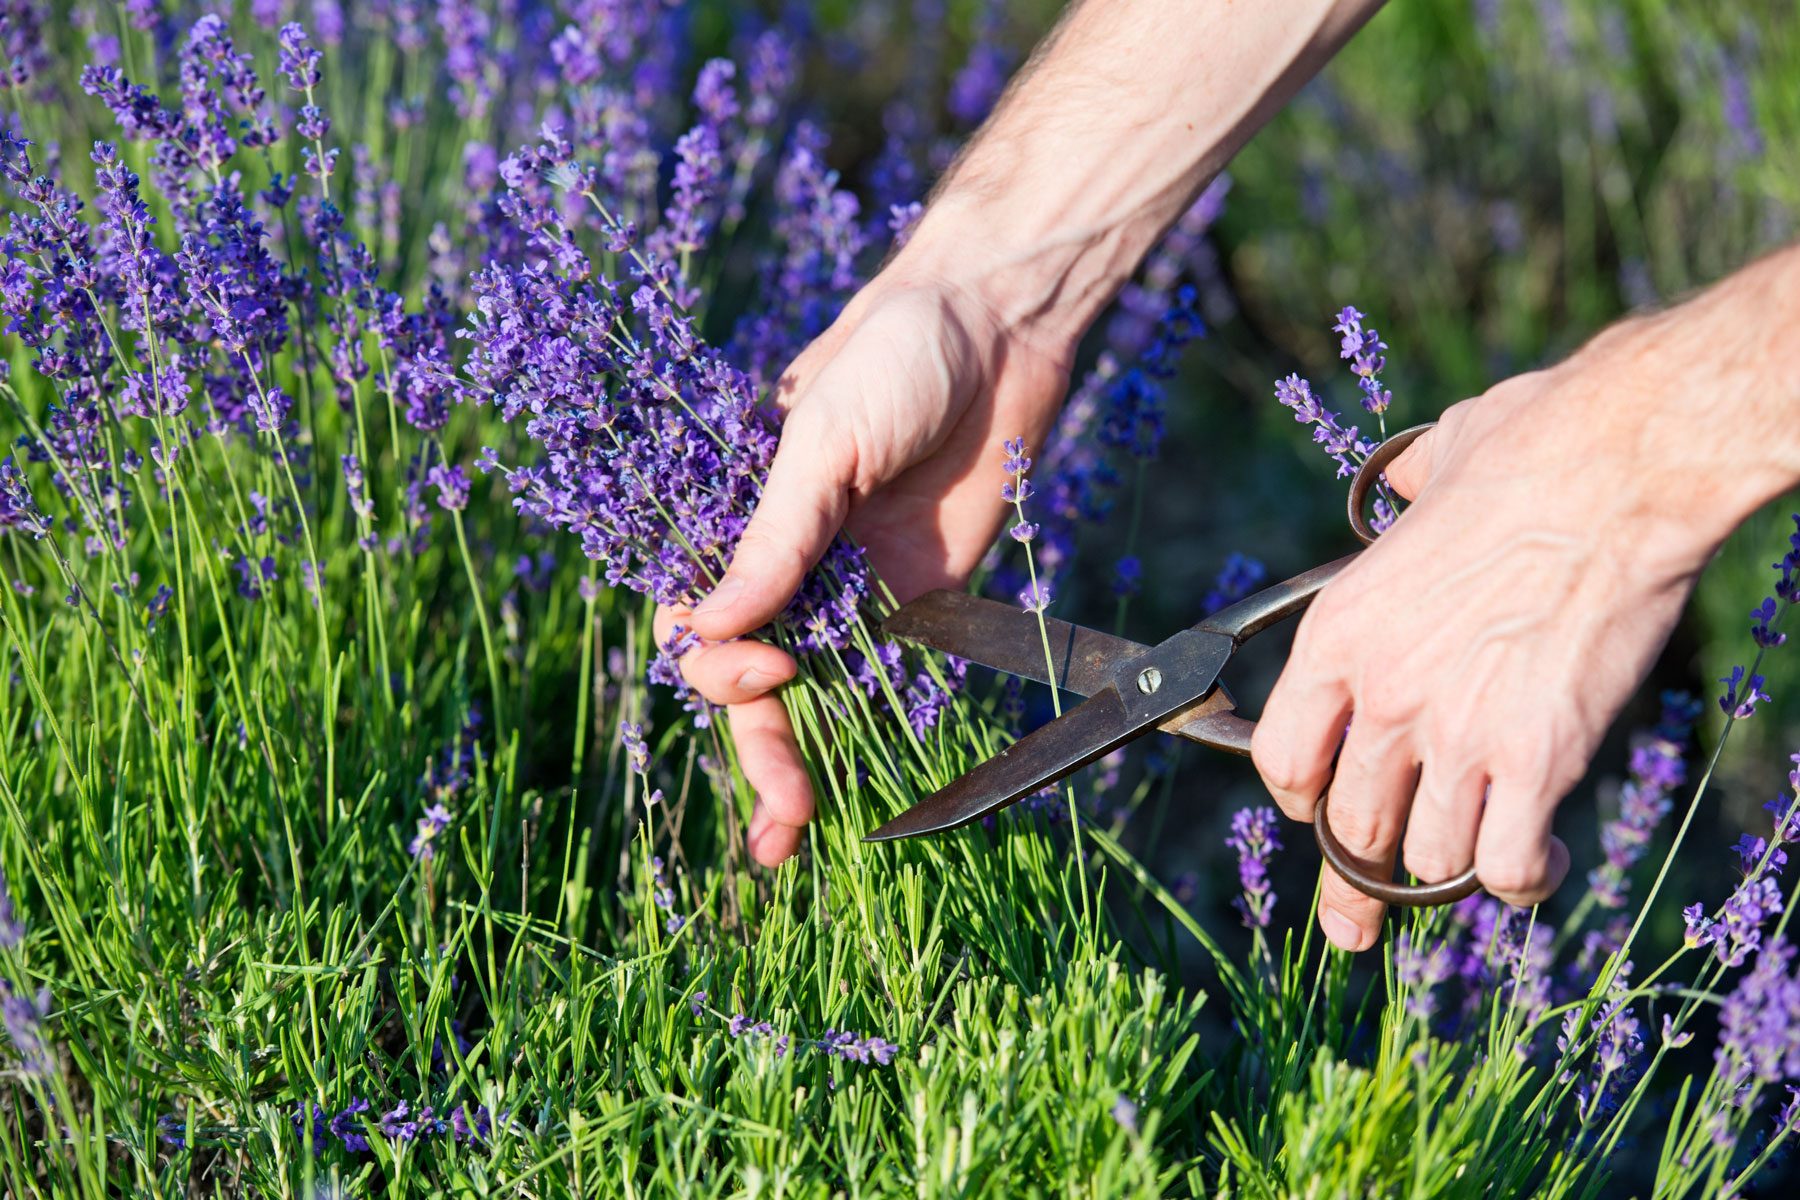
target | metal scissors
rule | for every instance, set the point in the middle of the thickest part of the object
(1130, 689)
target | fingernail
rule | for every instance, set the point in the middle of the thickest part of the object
(757, 680)
(1342, 931)
(723, 596)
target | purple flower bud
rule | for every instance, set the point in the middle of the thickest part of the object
(1738, 705)
(23, 1017)
(452, 487)
(299, 59)
(631, 736)
(1236, 579)
(12, 931)
(423, 845)
(1255, 836)
(1762, 617)
(1128, 576)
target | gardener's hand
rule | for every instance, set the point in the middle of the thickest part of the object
(894, 422)
(1481, 648)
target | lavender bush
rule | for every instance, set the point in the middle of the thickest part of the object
(371, 371)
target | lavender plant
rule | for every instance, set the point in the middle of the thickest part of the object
(289, 650)
(367, 380)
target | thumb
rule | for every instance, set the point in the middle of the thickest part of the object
(802, 508)
(1411, 471)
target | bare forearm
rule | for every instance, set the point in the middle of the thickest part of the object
(1125, 112)
(1705, 398)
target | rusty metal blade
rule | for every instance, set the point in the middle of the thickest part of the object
(1073, 740)
(1005, 638)
(1175, 678)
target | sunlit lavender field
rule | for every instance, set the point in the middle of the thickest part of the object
(372, 371)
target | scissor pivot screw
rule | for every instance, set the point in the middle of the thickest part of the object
(1149, 679)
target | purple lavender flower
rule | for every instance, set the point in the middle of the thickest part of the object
(1034, 597)
(850, 1047)
(474, 71)
(1738, 107)
(347, 1128)
(1618, 1048)
(1236, 579)
(659, 472)
(637, 751)
(1741, 704)
(1658, 768)
(1128, 575)
(1255, 836)
(1420, 969)
(22, 44)
(1737, 931)
(1362, 349)
(356, 487)
(1340, 442)
(12, 930)
(310, 1119)
(1125, 1114)
(1786, 809)
(23, 1017)
(402, 1124)
(1762, 616)
(818, 237)
(252, 575)
(18, 509)
(452, 485)
(472, 1124)
(1759, 1023)
(902, 219)
(437, 818)
(1787, 584)
(299, 58)
(977, 85)
(664, 897)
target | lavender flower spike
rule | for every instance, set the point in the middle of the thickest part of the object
(1339, 441)
(1362, 349)
(1741, 704)
(1255, 835)
(1657, 769)
(12, 930)
(22, 1017)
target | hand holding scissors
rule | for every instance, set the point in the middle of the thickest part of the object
(1130, 691)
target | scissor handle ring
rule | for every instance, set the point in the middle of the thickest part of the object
(1421, 895)
(1407, 895)
(1369, 474)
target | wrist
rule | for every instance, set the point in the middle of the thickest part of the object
(1700, 407)
(1042, 282)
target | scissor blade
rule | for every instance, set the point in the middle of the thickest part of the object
(1007, 639)
(1073, 740)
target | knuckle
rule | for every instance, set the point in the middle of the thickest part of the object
(1366, 831)
(1274, 760)
(1387, 698)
